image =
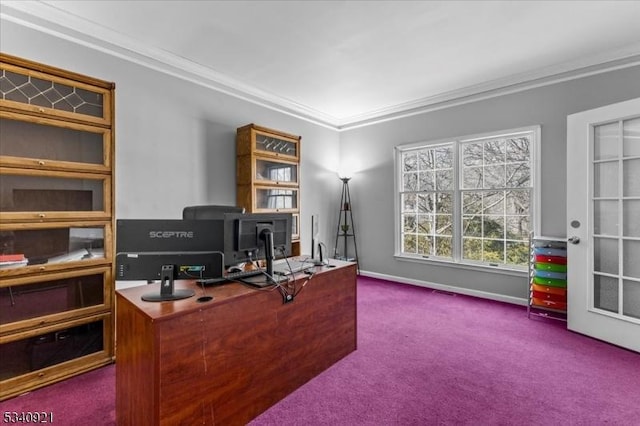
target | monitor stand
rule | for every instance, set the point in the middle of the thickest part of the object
(167, 291)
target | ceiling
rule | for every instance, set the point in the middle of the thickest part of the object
(348, 63)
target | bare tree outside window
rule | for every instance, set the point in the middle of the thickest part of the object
(483, 216)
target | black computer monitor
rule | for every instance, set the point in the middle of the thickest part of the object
(257, 236)
(167, 250)
(169, 235)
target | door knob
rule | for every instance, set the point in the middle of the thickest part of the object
(574, 240)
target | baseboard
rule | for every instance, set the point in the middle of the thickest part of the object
(449, 288)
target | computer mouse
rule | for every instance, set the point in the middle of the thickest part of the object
(235, 269)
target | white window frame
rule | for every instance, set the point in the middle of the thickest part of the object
(457, 260)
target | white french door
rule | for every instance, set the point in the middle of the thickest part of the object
(603, 212)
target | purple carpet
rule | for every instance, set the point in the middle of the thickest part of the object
(426, 357)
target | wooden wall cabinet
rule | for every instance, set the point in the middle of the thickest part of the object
(56, 224)
(268, 174)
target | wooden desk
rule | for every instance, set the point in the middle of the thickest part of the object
(227, 360)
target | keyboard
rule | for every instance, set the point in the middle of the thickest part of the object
(230, 276)
(282, 267)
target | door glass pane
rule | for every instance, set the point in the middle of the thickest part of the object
(605, 217)
(631, 173)
(605, 144)
(605, 293)
(631, 298)
(605, 255)
(631, 218)
(605, 179)
(631, 138)
(631, 259)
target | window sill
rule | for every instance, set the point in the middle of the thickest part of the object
(469, 266)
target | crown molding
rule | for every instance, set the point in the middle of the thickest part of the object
(48, 19)
(623, 58)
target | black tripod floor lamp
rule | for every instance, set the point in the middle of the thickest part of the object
(346, 228)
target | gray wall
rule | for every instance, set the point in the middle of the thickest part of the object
(175, 140)
(372, 188)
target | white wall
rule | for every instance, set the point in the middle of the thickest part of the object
(372, 189)
(175, 140)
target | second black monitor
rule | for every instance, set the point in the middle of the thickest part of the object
(244, 236)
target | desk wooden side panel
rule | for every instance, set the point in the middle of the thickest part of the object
(136, 363)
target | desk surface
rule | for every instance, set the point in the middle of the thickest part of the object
(221, 293)
(227, 360)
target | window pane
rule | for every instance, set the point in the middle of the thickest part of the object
(425, 244)
(444, 247)
(518, 149)
(518, 253)
(443, 225)
(472, 226)
(410, 182)
(517, 202)
(472, 154)
(518, 175)
(472, 177)
(409, 161)
(517, 227)
(409, 202)
(425, 203)
(493, 251)
(409, 244)
(425, 160)
(494, 176)
(427, 181)
(444, 203)
(410, 223)
(493, 203)
(444, 180)
(493, 226)
(471, 202)
(425, 224)
(444, 158)
(494, 151)
(472, 248)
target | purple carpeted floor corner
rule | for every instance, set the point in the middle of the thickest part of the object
(425, 358)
